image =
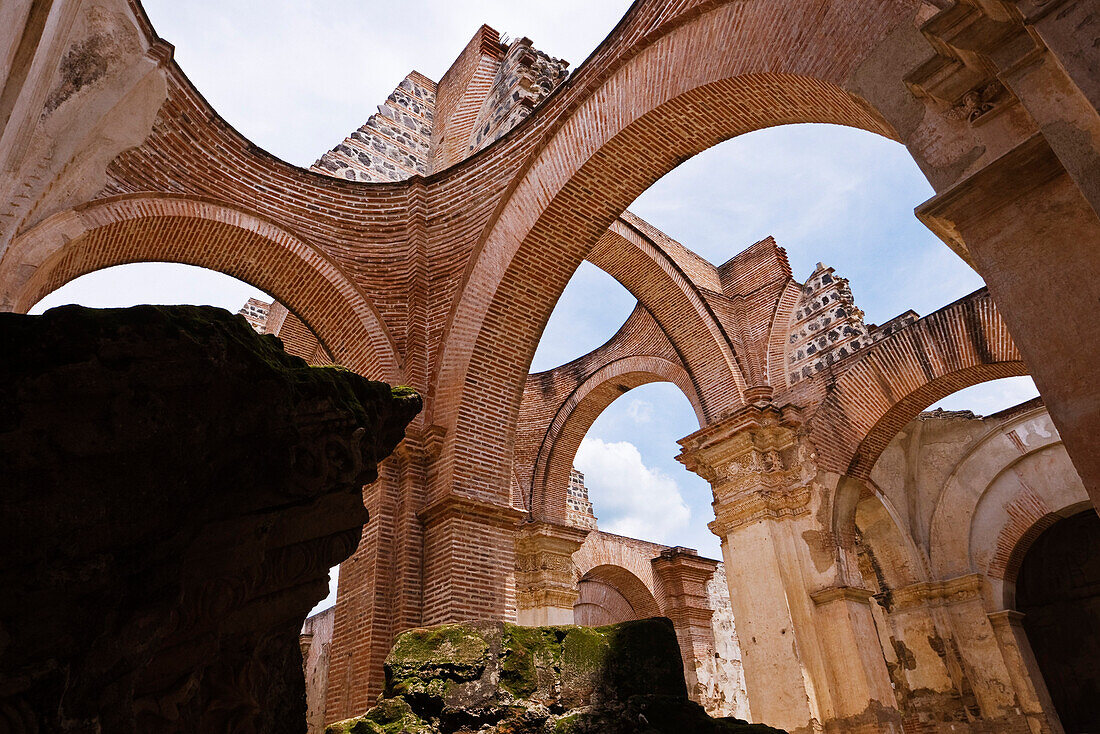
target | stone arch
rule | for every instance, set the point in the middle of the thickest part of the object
(877, 392)
(1014, 483)
(143, 228)
(579, 410)
(602, 157)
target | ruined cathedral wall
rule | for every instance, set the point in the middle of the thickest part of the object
(722, 677)
(960, 496)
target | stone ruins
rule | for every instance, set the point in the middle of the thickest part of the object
(884, 569)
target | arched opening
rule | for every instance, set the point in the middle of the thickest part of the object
(610, 594)
(941, 525)
(592, 308)
(1058, 592)
(636, 487)
(141, 228)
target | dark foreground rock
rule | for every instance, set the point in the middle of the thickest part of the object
(498, 678)
(173, 490)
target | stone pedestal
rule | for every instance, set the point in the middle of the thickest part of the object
(546, 589)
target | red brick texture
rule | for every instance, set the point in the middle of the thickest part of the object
(445, 282)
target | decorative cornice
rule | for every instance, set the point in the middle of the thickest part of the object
(951, 591)
(839, 593)
(467, 508)
(541, 598)
(775, 504)
(544, 564)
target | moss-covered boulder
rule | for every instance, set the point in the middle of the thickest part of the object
(498, 678)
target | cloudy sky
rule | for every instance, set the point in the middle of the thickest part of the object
(296, 77)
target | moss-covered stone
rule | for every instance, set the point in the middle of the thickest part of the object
(531, 661)
(497, 678)
(388, 716)
(167, 469)
(426, 662)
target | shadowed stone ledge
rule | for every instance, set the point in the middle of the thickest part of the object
(174, 488)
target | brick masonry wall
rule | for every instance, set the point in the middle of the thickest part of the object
(445, 279)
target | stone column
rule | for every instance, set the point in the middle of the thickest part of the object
(682, 577)
(546, 589)
(1031, 689)
(809, 647)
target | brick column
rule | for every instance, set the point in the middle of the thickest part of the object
(546, 589)
(469, 560)
(682, 577)
(379, 591)
(809, 647)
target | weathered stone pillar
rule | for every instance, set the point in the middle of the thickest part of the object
(809, 646)
(1028, 220)
(1031, 689)
(545, 587)
(683, 576)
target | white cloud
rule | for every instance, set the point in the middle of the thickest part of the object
(631, 498)
(640, 411)
(330, 600)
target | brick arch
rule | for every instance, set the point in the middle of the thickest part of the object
(717, 75)
(877, 392)
(778, 337)
(144, 228)
(579, 410)
(617, 596)
(667, 279)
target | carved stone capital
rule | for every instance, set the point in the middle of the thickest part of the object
(544, 564)
(756, 463)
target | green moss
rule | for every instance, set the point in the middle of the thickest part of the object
(585, 650)
(388, 716)
(425, 662)
(527, 650)
(566, 724)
